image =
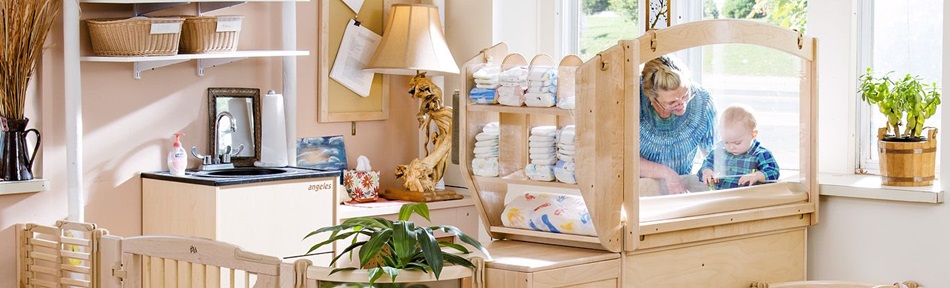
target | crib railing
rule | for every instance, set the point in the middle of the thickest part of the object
(172, 261)
(57, 256)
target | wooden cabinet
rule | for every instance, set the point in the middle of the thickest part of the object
(530, 265)
(269, 218)
(459, 213)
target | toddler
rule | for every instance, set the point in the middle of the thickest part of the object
(739, 160)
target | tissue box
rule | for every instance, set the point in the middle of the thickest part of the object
(362, 186)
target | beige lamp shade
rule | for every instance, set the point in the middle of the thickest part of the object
(413, 42)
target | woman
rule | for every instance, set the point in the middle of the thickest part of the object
(677, 118)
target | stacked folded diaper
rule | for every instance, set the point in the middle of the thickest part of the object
(486, 80)
(542, 87)
(485, 163)
(511, 86)
(564, 168)
(542, 152)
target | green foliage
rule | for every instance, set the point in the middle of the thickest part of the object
(786, 13)
(626, 8)
(739, 9)
(904, 99)
(710, 11)
(397, 245)
(594, 6)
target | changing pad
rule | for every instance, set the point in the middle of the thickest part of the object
(555, 213)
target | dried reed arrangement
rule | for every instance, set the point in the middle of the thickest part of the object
(24, 25)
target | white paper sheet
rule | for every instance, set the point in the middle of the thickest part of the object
(354, 5)
(356, 48)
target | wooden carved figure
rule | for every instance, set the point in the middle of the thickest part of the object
(421, 175)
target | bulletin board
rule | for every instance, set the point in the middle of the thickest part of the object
(337, 103)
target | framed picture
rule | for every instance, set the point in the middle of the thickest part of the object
(658, 14)
(325, 153)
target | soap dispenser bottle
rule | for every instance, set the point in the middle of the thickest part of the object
(177, 159)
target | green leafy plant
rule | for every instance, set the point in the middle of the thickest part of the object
(393, 245)
(904, 101)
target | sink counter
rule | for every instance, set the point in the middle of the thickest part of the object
(192, 177)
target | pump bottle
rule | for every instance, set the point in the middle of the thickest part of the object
(177, 159)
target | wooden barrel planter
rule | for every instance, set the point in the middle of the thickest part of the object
(907, 163)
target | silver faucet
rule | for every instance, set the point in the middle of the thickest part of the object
(217, 157)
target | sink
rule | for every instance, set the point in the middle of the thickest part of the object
(241, 172)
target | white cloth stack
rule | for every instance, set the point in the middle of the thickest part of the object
(485, 163)
(487, 77)
(564, 168)
(542, 152)
(511, 86)
(542, 87)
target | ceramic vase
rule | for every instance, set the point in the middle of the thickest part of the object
(16, 159)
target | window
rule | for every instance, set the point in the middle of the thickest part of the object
(764, 79)
(902, 36)
(600, 24)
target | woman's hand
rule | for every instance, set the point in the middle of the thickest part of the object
(674, 184)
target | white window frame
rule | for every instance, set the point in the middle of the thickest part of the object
(866, 134)
(865, 40)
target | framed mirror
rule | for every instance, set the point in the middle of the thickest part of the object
(244, 107)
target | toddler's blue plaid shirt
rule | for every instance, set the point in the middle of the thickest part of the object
(729, 168)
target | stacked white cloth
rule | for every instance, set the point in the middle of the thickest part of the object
(542, 86)
(511, 86)
(486, 80)
(487, 77)
(485, 163)
(542, 152)
(564, 168)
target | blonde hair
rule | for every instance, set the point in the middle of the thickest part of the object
(664, 73)
(738, 114)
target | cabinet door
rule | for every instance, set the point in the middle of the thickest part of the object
(272, 219)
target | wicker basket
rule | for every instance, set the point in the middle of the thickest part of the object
(137, 36)
(210, 34)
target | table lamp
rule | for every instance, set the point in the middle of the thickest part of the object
(413, 44)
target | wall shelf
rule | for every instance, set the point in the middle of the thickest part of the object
(205, 61)
(28, 186)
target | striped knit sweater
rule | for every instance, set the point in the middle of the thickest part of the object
(673, 141)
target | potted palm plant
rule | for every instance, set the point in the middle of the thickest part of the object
(906, 156)
(390, 246)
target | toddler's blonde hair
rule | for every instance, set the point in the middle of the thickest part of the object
(738, 114)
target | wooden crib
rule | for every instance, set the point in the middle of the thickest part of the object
(731, 243)
(83, 255)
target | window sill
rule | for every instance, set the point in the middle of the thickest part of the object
(19, 187)
(869, 187)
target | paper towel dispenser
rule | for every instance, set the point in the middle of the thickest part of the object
(244, 104)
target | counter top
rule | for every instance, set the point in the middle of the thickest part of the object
(190, 177)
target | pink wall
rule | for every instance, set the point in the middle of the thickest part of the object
(128, 124)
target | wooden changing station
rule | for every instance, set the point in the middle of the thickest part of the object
(731, 240)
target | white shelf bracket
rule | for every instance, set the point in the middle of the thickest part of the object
(204, 7)
(140, 66)
(208, 63)
(142, 8)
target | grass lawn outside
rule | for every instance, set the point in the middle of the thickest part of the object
(600, 31)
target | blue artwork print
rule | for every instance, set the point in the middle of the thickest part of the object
(325, 153)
